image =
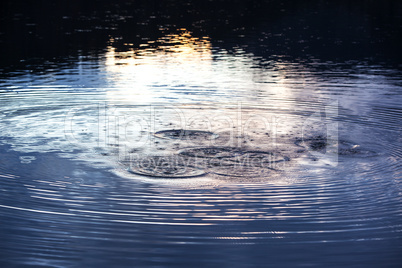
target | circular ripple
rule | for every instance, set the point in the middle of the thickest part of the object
(234, 162)
(340, 147)
(243, 167)
(164, 167)
(251, 164)
(235, 170)
(262, 158)
(211, 152)
(186, 134)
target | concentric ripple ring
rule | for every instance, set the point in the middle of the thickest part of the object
(182, 134)
(340, 147)
(163, 167)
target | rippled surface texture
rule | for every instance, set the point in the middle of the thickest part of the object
(189, 146)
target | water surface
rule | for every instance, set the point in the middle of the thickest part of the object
(132, 155)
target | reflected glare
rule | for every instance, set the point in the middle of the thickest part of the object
(170, 61)
(186, 68)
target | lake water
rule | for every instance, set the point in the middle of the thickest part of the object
(186, 148)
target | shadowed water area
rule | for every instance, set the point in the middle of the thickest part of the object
(216, 133)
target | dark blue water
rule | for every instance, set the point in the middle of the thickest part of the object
(169, 140)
